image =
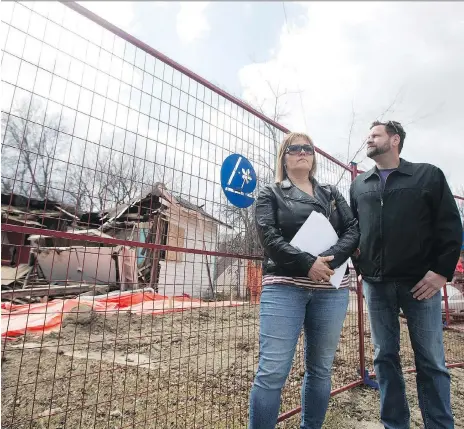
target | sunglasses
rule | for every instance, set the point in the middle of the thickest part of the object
(293, 149)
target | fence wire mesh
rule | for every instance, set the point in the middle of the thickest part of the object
(130, 285)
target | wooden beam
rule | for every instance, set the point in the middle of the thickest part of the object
(53, 291)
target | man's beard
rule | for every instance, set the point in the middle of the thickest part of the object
(373, 152)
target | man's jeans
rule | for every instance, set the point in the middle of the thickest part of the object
(284, 311)
(424, 320)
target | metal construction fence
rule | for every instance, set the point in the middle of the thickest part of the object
(130, 285)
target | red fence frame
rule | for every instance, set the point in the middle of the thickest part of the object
(148, 49)
(352, 169)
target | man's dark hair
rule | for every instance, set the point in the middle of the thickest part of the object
(392, 128)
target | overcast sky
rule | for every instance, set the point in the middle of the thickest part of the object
(344, 58)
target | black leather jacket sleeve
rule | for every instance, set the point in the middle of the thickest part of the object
(348, 235)
(282, 253)
(447, 229)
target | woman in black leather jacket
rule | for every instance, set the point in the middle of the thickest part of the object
(296, 286)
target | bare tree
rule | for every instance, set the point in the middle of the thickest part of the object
(389, 110)
(274, 107)
(106, 181)
(38, 162)
(112, 178)
(351, 158)
(244, 239)
(350, 133)
(29, 152)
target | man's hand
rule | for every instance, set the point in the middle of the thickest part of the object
(428, 286)
(320, 271)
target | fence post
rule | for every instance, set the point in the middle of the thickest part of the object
(447, 313)
(360, 301)
(359, 293)
(354, 170)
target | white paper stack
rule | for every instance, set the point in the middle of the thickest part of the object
(316, 236)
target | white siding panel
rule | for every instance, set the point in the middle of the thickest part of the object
(189, 276)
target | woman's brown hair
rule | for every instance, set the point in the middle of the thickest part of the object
(281, 173)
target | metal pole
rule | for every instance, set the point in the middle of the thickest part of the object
(359, 293)
(447, 313)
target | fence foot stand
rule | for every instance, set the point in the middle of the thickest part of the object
(369, 382)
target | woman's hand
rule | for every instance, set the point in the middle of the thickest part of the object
(320, 271)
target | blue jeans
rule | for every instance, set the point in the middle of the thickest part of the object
(424, 321)
(284, 310)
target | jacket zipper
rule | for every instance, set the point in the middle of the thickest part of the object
(381, 222)
(326, 210)
(329, 210)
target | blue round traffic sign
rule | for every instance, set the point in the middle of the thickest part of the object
(238, 180)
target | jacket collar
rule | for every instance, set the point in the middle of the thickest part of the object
(320, 194)
(287, 183)
(405, 167)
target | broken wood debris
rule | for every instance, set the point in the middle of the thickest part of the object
(53, 291)
(11, 275)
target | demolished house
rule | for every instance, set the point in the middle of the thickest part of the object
(41, 266)
(23, 211)
(54, 266)
(167, 219)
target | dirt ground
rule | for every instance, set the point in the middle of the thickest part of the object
(180, 370)
(359, 407)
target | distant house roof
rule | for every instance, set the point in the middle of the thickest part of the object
(20, 208)
(32, 212)
(26, 204)
(190, 206)
(158, 190)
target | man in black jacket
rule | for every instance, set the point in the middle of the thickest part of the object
(410, 242)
